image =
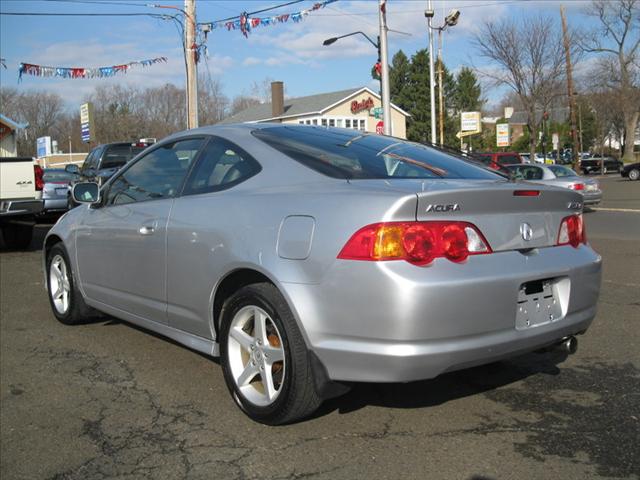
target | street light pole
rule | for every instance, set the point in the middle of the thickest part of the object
(432, 87)
(386, 94)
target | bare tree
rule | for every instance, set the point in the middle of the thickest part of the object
(617, 44)
(530, 60)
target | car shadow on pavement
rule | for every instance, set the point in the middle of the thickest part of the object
(446, 387)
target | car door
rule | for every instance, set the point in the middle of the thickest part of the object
(199, 239)
(121, 245)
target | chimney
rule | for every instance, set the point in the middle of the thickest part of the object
(277, 99)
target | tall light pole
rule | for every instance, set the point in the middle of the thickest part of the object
(432, 86)
(383, 82)
(190, 55)
(449, 21)
(386, 93)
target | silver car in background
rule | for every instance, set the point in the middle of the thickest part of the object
(55, 192)
(561, 176)
(306, 257)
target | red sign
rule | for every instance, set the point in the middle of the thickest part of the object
(360, 106)
(380, 128)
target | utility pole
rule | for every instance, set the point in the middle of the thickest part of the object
(386, 93)
(440, 87)
(572, 107)
(432, 88)
(190, 53)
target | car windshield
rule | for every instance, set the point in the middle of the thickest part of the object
(57, 176)
(560, 171)
(345, 154)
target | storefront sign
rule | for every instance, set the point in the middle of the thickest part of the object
(502, 135)
(86, 122)
(357, 107)
(380, 128)
(470, 122)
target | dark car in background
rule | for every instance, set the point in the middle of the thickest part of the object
(631, 171)
(495, 160)
(600, 165)
(103, 161)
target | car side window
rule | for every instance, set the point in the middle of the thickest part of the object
(156, 175)
(221, 165)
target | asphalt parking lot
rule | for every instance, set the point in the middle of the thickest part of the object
(108, 400)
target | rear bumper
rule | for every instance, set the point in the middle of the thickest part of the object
(394, 322)
(592, 198)
(55, 205)
(20, 207)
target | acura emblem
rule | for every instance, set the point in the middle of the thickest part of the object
(526, 231)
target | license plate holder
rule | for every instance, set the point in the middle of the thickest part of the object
(538, 304)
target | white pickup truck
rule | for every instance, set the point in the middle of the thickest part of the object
(20, 199)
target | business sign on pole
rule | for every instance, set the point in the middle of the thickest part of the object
(470, 122)
(502, 134)
(380, 128)
(43, 147)
(556, 140)
(86, 122)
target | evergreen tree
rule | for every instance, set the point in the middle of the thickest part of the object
(468, 93)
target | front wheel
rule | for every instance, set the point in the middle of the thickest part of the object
(66, 300)
(264, 358)
(634, 174)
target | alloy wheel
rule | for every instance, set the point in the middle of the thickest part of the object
(59, 286)
(256, 355)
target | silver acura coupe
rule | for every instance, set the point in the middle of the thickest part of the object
(309, 257)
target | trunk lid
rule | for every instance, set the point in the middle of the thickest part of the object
(505, 220)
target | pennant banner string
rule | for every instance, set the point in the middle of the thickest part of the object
(245, 22)
(76, 72)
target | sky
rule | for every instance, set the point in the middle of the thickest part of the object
(291, 52)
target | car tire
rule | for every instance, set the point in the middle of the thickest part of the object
(66, 301)
(634, 174)
(17, 237)
(257, 327)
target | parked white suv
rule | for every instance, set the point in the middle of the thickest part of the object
(20, 199)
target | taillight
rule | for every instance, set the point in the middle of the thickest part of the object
(416, 242)
(572, 231)
(577, 186)
(38, 172)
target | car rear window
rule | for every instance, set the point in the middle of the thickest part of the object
(560, 171)
(509, 159)
(58, 176)
(340, 153)
(117, 155)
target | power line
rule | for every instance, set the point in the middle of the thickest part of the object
(51, 14)
(254, 13)
(101, 2)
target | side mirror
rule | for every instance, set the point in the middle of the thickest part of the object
(86, 192)
(72, 168)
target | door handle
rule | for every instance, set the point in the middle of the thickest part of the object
(147, 229)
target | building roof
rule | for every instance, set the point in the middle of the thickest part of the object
(556, 115)
(295, 107)
(12, 124)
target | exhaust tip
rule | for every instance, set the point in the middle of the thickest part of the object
(569, 345)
